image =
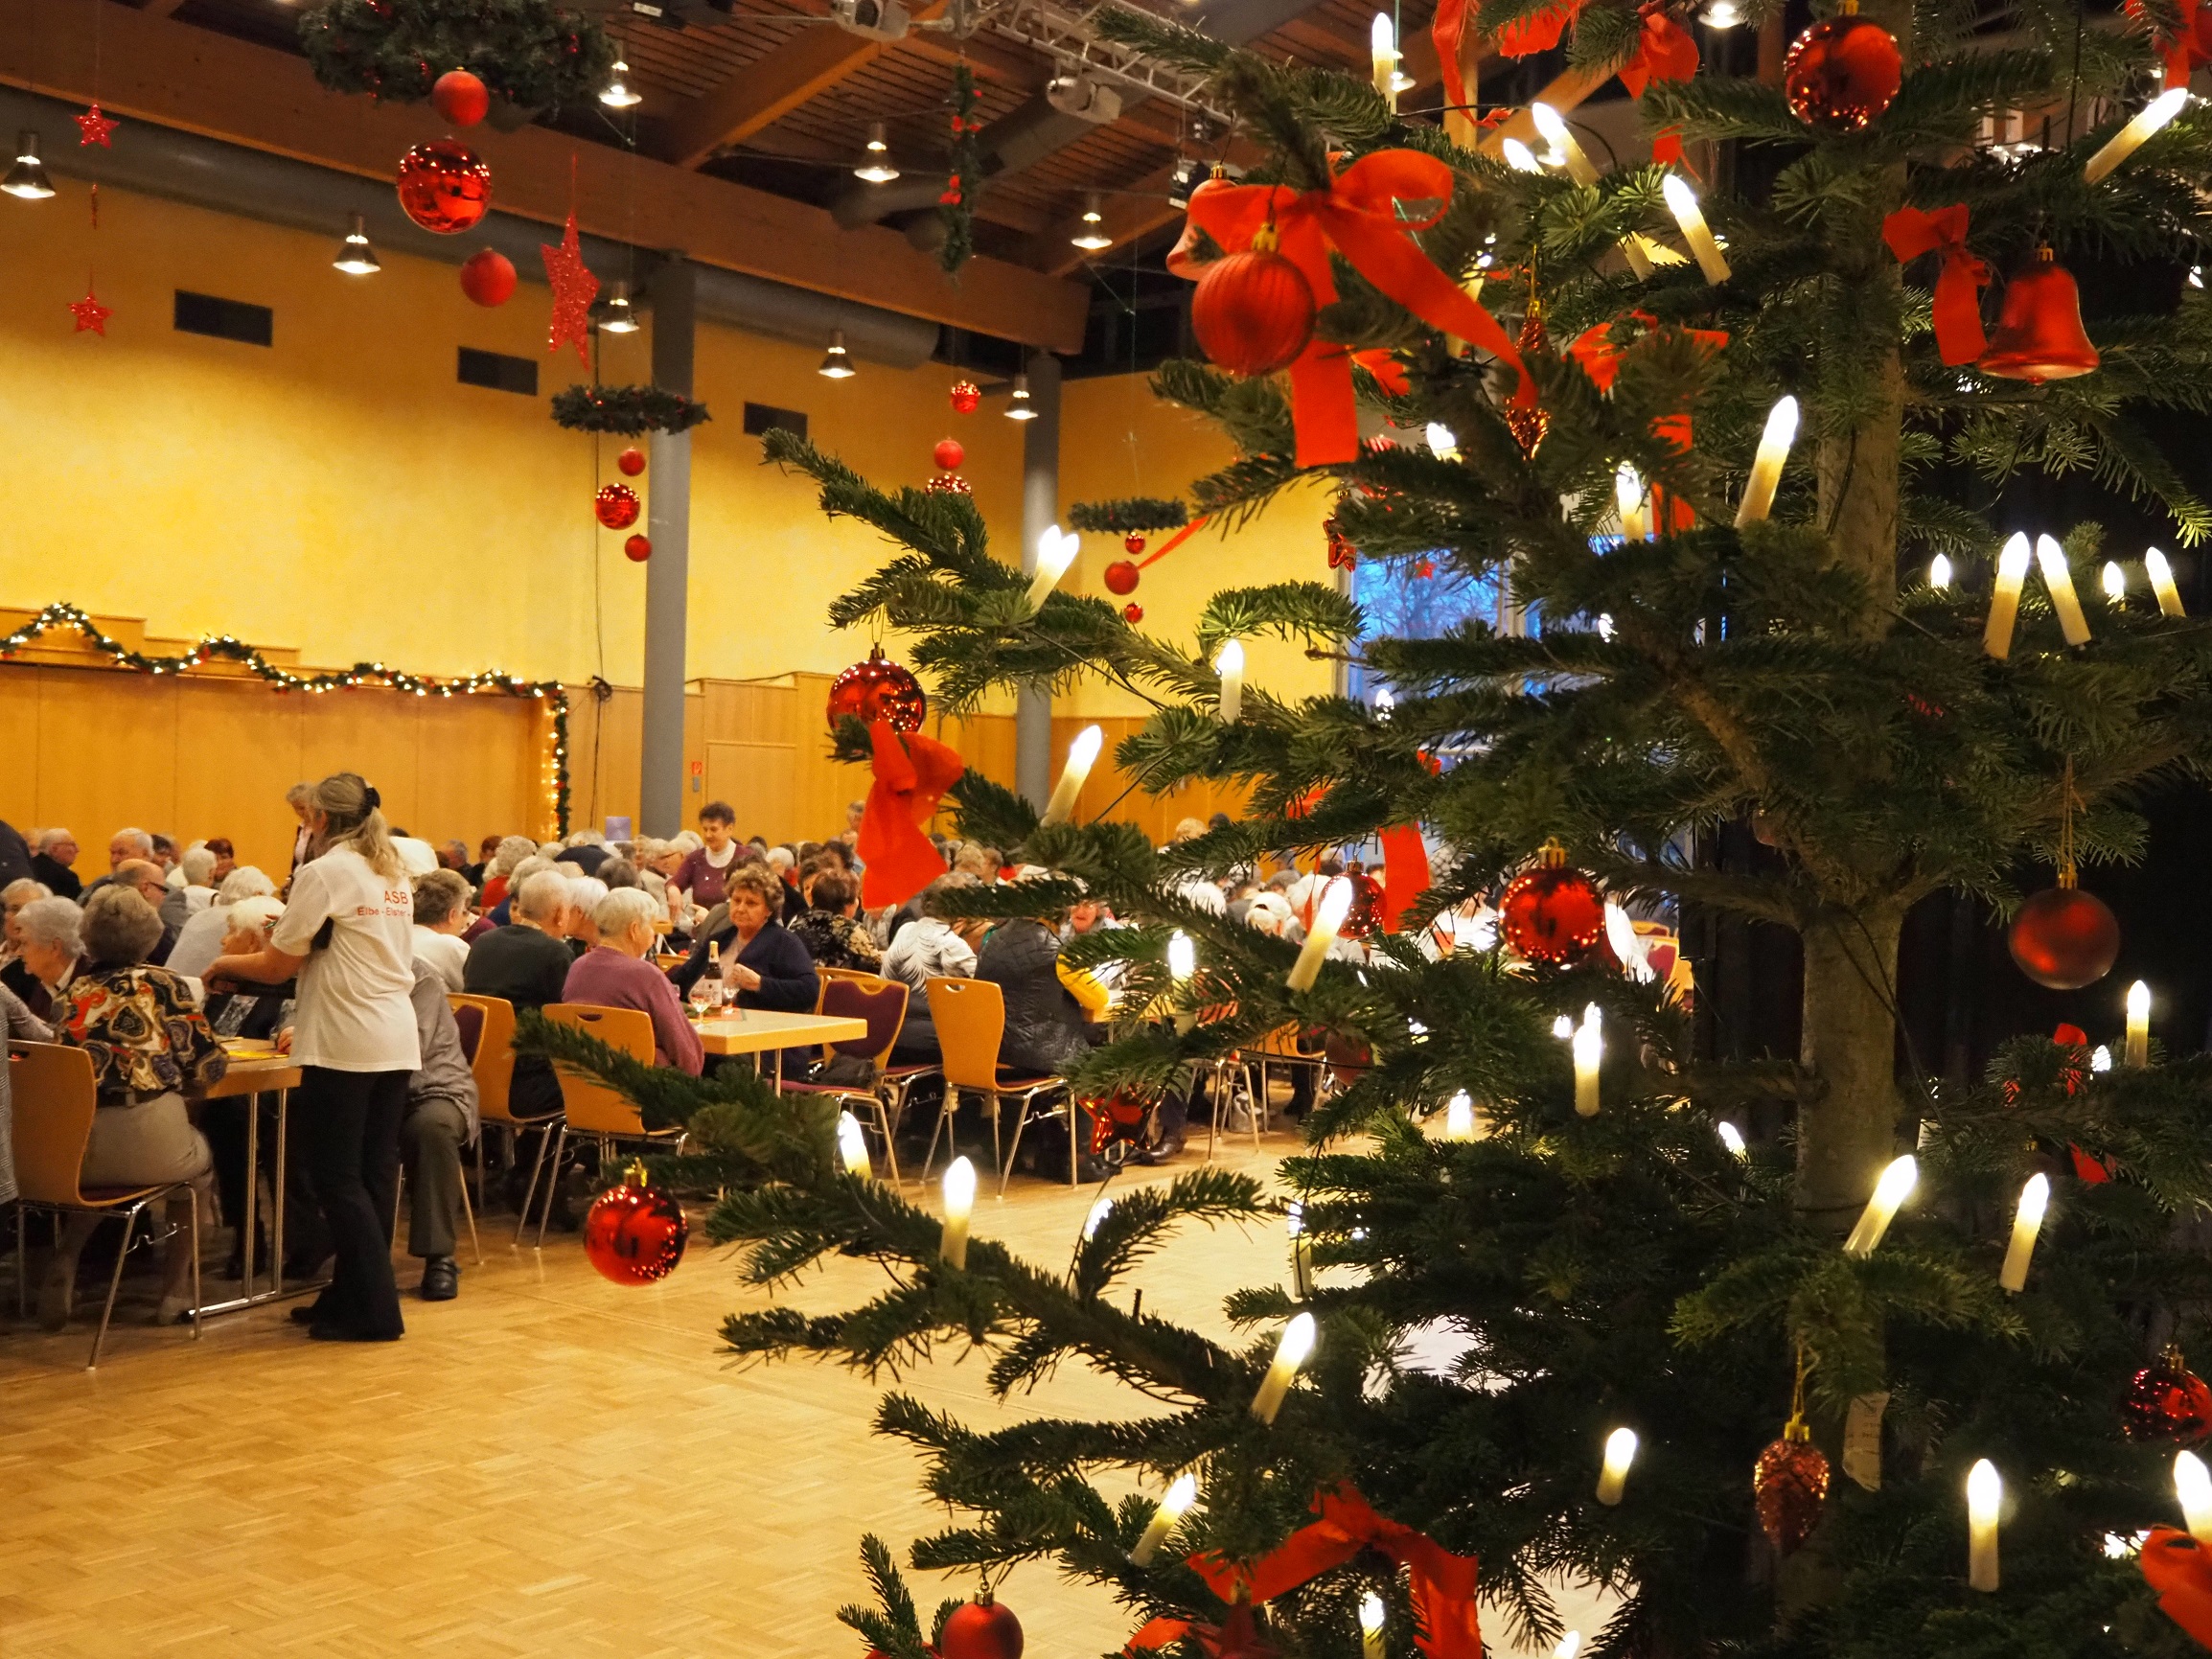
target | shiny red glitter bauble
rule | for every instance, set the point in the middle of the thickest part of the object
(637, 549)
(948, 454)
(1552, 913)
(1133, 614)
(2064, 938)
(487, 277)
(1121, 576)
(949, 484)
(1842, 72)
(1133, 544)
(2167, 1401)
(878, 689)
(1789, 1484)
(444, 187)
(981, 1630)
(966, 395)
(633, 1234)
(616, 505)
(1252, 313)
(460, 97)
(631, 462)
(1365, 914)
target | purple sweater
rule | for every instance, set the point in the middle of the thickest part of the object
(605, 977)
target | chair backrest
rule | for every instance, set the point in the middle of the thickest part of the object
(590, 1105)
(54, 1101)
(969, 1016)
(882, 1003)
(491, 1054)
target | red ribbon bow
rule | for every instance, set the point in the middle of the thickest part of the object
(2183, 52)
(1601, 360)
(1358, 216)
(910, 780)
(2176, 1566)
(1958, 306)
(1405, 871)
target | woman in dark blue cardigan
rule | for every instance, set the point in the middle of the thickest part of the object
(762, 960)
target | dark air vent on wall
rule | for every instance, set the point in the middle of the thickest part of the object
(224, 319)
(498, 371)
(761, 418)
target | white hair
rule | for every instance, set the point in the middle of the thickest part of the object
(245, 882)
(255, 911)
(24, 890)
(588, 838)
(541, 896)
(55, 923)
(621, 909)
(779, 859)
(48, 838)
(513, 850)
(585, 893)
(197, 864)
(687, 839)
(546, 849)
(139, 837)
(533, 866)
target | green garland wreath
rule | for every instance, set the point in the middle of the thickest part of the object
(1137, 513)
(956, 206)
(630, 410)
(533, 54)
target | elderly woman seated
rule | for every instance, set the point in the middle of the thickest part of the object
(47, 946)
(616, 974)
(441, 917)
(937, 947)
(199, 941)
(12, 898)
(151, 1048)
(763, 966)
(828, 928)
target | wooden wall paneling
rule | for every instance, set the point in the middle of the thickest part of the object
(107, 745)
(755, 779)
(20, 746)
(504, 791)
(241, 752)
(823, 786)
(373, 732)
(605, 755)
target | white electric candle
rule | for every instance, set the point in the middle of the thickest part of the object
(1384, 704)
(2027, 1222)
(1519, 156)
(1098, 1213)
(960, 1205)
(1551, 126)
(1082, 756)
(1459, 1117)
(1182, 1493)
(853, 1146)
(1570, 1644)
(1301, 1250)
(1613, 1476)
(1443, 441)
(1628, 497)
(1056, 550)
(2101, 1060)
(1289, 1355)
(1371, 1627)
(1182, 955)
(2005, 598)
(1327, 916)
(1383, 50)
(2138, 1049)
(2193, 1485)
(1767, 466)
(1230, 665)
(2115, 583)
(1682, 203)
(1629, 949)
(1589, 1049)
(1732, 1138)
(2124, 143)
(1893, 1188)
(1939, 572)
(2161, 575)
(2059, 579)
(1985, 1497)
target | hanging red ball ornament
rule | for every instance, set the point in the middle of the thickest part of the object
(444, 187)
(949, 484)
(1790, 1484)
(1133, 614)
(2064, 938)
(616, 505)
(631, 462)
(948, 454)
(2167, 1402)
(878, 689)
(487, 277)
(1252, 313)
(981, 1629)
(460, 97)
(637, 549)
(633, 1234)
(2038, 334)
(1842, 72)
(1122, 577)
(1552, 913)
(966, 395)
(1366, 913)
(1133, 544)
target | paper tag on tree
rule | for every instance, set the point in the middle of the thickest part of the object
(1862, 1440)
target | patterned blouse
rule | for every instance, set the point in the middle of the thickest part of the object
(144, 1033)
(837, 941)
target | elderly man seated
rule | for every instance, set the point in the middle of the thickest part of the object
(50, 863)
(193, 894)
(151, 882)
(440, 1120)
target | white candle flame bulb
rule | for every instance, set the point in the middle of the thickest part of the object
(1182, 955)
(2138, 1025)
(2101, 1059)
(1443, 441)
(2027, 1222)
(1621, 936)
(1732, 1138)
(1889, 1193)
(1628, 497)
(1939, 571)
(2193, 1485)
(960, 1205)
(1519, 156)
(1570, 1644)
(1370, 1625)
(1383, 51)
(1459, 1117)
(2059, 579)
(1613, 1476)
(1563, 1028)
(1181, 1492)
(1682, 203)
(1780, 431)
(1294, 1218)
(1327, 917)
(2005, 598)
(1589, 1047)
(1551, 126)
(853, 1146)
(2115, 582)
(1230, 665)
(2161, 575)
(1056, 550)
(1297, 1337)
(1985, 1497)
(1384, 704)
(1098, 1213)
(2124, 143)
(1082, 756)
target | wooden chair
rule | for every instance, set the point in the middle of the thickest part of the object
(492, 1063)
(883, 1003)
(589, 1106)
(54, 1103)
(969, 1016)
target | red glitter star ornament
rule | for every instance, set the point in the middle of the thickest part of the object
(93, 127)
(90, 314)
(573, 288)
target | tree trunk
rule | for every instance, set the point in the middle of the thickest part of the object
(1846, 1135)
(1858, 475)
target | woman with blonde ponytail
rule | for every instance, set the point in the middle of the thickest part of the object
(348, 934)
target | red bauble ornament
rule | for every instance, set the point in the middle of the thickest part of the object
(966, 395)
(2038, 334)
(949, 484)
(948, 454)
(1122, 577)
(1252, 313)
(460, 97)
(1552, 913)
(878, 689)
(444, 187)
(1365, 914)
(1842, 72)
(631, 462)
(1133, 614)
(633, 1234)
(2064, 938)
(981, 1629)
(616, 505)
(2167, 1401)
(487, 277)
(637, 549)
(1133, 544)
(1789, 1484)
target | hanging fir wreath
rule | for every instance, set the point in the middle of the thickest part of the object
(956, 206)
(1139, 513)
(531, 54)
(628, 410)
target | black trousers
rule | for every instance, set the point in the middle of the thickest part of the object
(347, 1125)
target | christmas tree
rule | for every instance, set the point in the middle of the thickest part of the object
(1706, 641)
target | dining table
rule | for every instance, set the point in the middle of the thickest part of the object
(256, 1068)
(758, 1031)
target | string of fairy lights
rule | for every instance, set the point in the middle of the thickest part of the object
(228, 648)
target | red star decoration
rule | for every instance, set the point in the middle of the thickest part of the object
(90, 314)
(574, 286)
(94, 128)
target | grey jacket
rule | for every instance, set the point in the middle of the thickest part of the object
(22, 1027)
(445, 1070)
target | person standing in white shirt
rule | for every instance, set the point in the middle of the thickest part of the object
(346, 935)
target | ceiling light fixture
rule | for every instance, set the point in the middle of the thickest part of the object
(836, 363)
(620, 318)
(876, 165)
(356, 257)
(618, 94)
(1093, 236)
(1020, 408)
(27, 179)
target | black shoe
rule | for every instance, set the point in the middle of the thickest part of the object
(332, 1330)
(441, 1278)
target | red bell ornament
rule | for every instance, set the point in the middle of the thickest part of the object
(460, 97)
(2167, 1402)
(444, 186)
(1842, 72)
(1552, 913)
(616, 505)
(2064, 938)
(1253, 312)
(633, 1234)
(1122, 577)
(487, 277)
(878, 689)
(2038, 334)
(980, 1629)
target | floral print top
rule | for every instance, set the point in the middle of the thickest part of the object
(837, 941)
(144, 1033)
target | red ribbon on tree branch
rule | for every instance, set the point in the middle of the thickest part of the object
(898, 859)
(1959, 282)
(2181, 1571)
(2184, 51)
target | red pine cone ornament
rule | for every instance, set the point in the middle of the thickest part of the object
(460, 97)
(618, 506)
(637, 549)
(2038, 334)
(948, 454)
(444, 187)
(1552, 913)
(1789, 1484)
(1842, 72)
(1530, 424)
(633, 1234)
(2064, 938)
(1252, 311)
(966, 395)
(487, 277)
(878, 689)
(631, 462)
(2167, 1402)
(981, 1629)
(1122, 577)
(1365, 917)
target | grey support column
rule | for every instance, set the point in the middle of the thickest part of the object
(668, 572)
(1040, 509)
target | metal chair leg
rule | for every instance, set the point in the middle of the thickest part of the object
(893, 1112)
(1021, 1118)
(943, 1126)
(1074, 1113)
(536, 1163)
(192, 1194)
(22, 1255)
(470, 1211)
(552, 1183)
(114, 1283)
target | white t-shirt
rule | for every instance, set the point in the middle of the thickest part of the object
(356, 1011)
(444, 954)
